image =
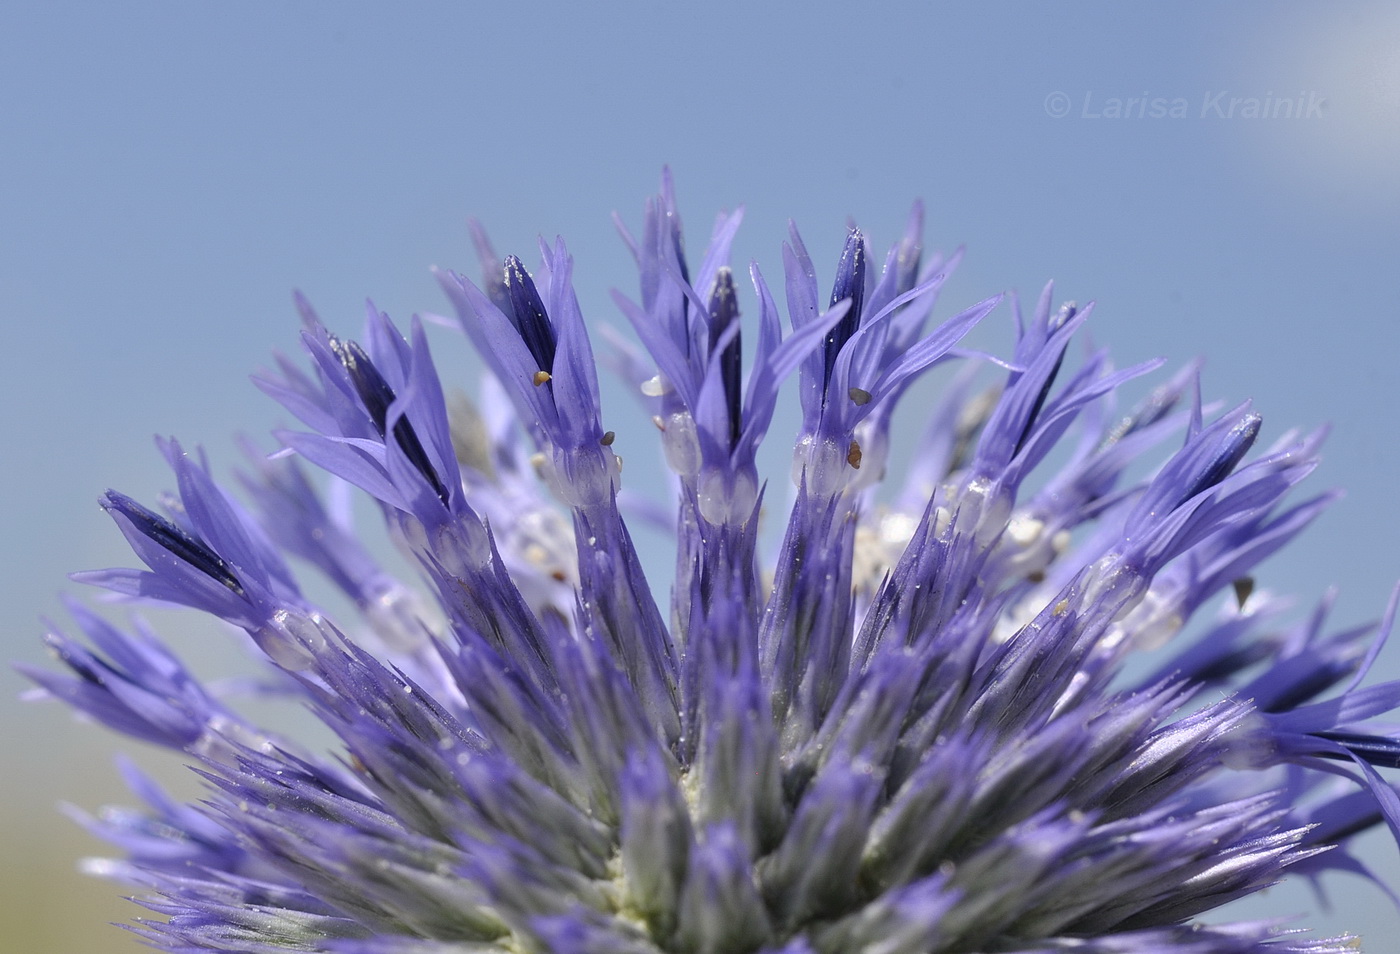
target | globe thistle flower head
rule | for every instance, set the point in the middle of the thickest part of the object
(909, 719)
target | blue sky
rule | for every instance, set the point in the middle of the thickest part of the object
(170, 171)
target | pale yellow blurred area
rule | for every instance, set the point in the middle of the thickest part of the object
(46, 903)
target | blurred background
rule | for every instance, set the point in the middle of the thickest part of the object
(170, 171)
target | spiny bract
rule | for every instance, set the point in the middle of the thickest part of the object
(911, 730)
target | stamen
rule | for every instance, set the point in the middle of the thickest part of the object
(528, 316)
(850, 284)
(376, 396)
(724, 312)
(175, 540)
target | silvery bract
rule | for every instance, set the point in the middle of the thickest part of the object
(904, 723)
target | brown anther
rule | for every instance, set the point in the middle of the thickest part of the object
(853, 455)
(1244, 586)
(859, 396)
(607, 439)
(1061, 608)
(660, 424)
(541, 377)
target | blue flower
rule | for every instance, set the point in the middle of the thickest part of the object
(913, 729)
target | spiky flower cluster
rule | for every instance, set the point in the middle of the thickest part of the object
(912, 730)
